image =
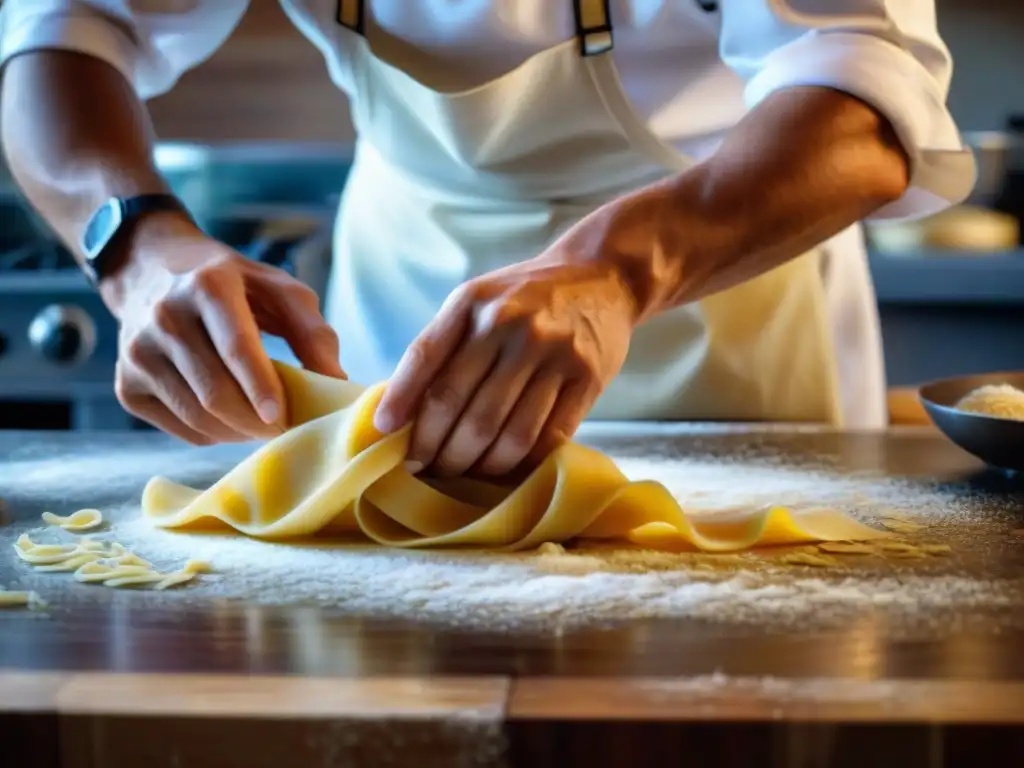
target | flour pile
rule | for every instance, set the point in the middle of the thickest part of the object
(552, 587)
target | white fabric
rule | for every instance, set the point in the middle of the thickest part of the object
(689, 74)
(450, 184)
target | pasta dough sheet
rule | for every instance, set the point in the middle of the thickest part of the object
(332, 472)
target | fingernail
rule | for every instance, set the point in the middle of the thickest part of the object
(383, 421)
(414, 467)
(269, 410)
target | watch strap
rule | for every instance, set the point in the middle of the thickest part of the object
(150, 203)
(100, 264)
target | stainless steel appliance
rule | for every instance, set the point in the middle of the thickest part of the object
(273, 202)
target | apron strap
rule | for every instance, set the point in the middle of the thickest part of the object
(593, 26)
(593, 21)
(352, 14)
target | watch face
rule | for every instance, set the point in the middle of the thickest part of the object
(102, 227)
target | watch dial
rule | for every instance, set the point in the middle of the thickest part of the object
(101, 228)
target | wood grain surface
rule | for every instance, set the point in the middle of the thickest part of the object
(107, 681)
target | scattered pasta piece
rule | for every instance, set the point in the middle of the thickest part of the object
(902, 526)
(806, 558)
(82, 520)
(131, 559)
(936, 549)
(42, 554)
(91, 572)
(174, 579)
(897, 546)
(18, 599)
(92, 561)
(71, 564)
(914, 554)
(133, 579)
(550, 548)
(846, 548)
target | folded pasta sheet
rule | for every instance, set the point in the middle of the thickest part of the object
(333, 472)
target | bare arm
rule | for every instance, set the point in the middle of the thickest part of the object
(801, 167)
(75, 134)
(190, 357)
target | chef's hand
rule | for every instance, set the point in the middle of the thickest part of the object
(190, 358)
(510, 366)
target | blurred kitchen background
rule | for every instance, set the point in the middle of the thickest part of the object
(257, 143)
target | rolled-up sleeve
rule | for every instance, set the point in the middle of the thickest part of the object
(151, 43)
(887, 53)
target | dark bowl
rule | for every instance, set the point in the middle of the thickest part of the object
(997, 442)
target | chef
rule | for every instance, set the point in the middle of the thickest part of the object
(558, 209)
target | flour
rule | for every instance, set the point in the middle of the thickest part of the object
(556, 588)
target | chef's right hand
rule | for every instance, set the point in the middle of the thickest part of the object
(190, 358)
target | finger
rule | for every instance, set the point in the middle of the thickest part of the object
(140, 392)
(291, 310)
(524, 425)
(159, 378)
(232, 329)
(422, 362)
(136, 400)
(574, 402)
(193, 356)
(155, 413)
(482, 420)
(447, 397)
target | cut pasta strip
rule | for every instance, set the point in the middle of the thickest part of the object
(100, 562)
(93, 572)
(806, 558)
(897, 546)
(131, 580)
(82, 520)
(20, 599)
(42, 554)
(174, 579)
(130, 558)
(73, 563)
(847, 548)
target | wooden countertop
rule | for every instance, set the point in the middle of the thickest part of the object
(110, 680)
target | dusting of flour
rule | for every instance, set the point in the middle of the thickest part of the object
(551, 588)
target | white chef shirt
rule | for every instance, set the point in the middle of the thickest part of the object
(690, 73)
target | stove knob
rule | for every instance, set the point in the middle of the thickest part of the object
(63, 334)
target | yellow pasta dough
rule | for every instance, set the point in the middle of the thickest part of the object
(333, 472)
(20, 599)
(82, 520)
(101, 562)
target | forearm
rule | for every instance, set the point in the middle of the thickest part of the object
(801, 167)
(74, 134)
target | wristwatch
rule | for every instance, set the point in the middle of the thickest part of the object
(114, 217)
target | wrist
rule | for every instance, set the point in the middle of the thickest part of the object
(637, 237)
(143, 247)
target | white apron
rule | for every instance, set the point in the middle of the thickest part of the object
(446, 186)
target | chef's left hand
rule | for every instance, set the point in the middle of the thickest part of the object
(511, 365)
